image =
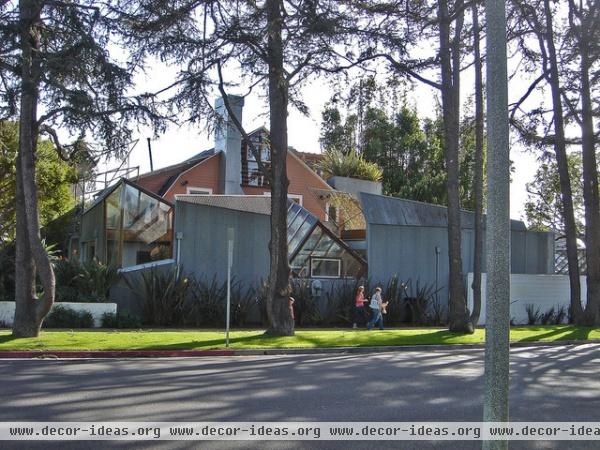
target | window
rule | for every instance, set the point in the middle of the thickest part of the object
(191, 190)
(251, 173)
(325, 268)
(330, 213)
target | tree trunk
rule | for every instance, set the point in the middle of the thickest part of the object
(458, 312)
(478, 172)
(280, 318)
(29, 311)
(590, 188)
(563, 171)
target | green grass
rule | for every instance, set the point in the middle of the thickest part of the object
(176, 339)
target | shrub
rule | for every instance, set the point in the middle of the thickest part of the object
(553, 316)
(242, 302)
(261, 294)
(163, 295)
(421, 305)
(87, 282)
(207, 302)
(7, 272)
(533, 314)
(61, 317)
(306, 309)
(123, 319)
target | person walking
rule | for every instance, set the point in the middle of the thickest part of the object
(376, 305)
(359, 307)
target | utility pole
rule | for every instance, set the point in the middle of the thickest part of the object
(495, 407)
(150, 154)
(230, 232)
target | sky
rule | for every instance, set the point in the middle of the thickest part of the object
(180, 143)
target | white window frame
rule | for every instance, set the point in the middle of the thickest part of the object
(209, 191)
(339, 261)
(290, 196)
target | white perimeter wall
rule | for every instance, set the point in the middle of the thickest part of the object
(543, 291)
(7, 310)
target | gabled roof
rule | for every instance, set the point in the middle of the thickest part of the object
(110, 189)
(159, 181)
(383, 210)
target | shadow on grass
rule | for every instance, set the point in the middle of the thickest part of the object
(9, 338)
(210, 344)
(555, 332)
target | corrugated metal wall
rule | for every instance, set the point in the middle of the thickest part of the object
(204, 242)
(409, 252)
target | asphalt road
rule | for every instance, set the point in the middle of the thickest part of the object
(547, 384)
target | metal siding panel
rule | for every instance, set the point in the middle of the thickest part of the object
(204, 243)
(518, 252)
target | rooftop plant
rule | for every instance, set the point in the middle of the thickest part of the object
(338, 163)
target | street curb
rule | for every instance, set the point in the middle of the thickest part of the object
(115, 354)
(60, 354)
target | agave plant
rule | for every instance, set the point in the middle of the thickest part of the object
(337, 163)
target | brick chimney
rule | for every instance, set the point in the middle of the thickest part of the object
(228, 139)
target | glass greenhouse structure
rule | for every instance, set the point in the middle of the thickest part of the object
(316, 252)
(126, 226)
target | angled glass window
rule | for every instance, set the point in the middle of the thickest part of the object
(139, 227)
(315, 251)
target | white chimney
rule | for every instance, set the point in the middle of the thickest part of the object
(228, 140)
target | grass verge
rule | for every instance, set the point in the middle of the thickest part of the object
(177, 339)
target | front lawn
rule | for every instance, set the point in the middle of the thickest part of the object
(177, 339)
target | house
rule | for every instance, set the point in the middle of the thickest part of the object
(231, 168)
(182, 216)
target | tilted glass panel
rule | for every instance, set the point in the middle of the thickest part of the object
(335, 251)
(323, 246)
(294, 224)
(299, 236)
(300, 222)
(147, 228)
(113, 227)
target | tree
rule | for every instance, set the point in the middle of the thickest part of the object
(539, 20)
(275, 45)
(450, 55)
(54, 54)
(584, 23)
(441, 23)
(543, 208)
(336, 135)
(410, 151)
(53, 180)
(477, 170)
